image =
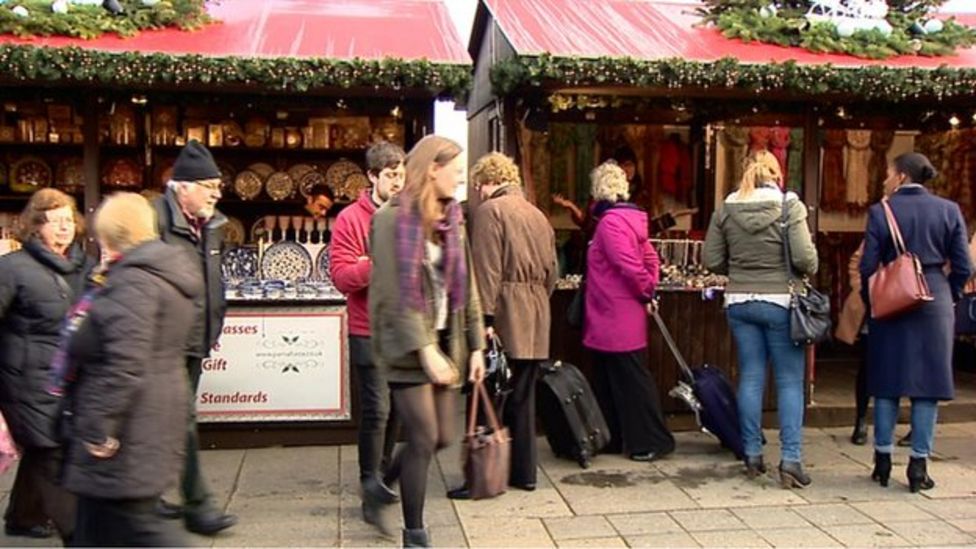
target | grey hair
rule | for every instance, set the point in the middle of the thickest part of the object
(610, 183)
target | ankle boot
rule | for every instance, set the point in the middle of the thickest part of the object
(416, 537)
(882, 468)
(791, 475)
(918, 475)
(860, 435)
(755, 466)
(376, 506)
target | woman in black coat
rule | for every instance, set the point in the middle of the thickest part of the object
(37, 286)
(910, 355)
(126, 383)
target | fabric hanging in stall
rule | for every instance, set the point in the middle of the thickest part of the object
(779, 144)
(857, 169)
(833, 194)
(561, 151)
(881, 141)
(794, 160)
(525, 161)
(539, 163)
(674, 167)
(735, 141)
(759, 138)
(585, 137)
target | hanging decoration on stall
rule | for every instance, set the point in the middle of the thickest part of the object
(90, 19)
(873, 29)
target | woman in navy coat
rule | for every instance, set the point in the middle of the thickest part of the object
(911, 355)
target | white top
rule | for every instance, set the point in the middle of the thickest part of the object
(435, 262)
(783, 300)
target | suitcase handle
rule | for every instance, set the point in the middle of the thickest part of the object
(673, 346)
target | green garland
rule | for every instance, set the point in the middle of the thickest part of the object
(755, 20)
(144, 71)
(87, 21)
(889, 84)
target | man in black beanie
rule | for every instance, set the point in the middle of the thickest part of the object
(188, 219)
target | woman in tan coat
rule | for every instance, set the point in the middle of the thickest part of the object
(425, 316)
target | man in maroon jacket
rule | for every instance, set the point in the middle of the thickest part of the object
(350, 269)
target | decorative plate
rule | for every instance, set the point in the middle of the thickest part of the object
(298, 170)
(248, 185)
(70, 176)
(355, 184)
(122, 173)
(29, 174)
(227, 174)
(240, 263)
(234, 234)
(280, 186)
(286, 260)
(309, 181)
(322, 264)
(337, 175)
(233, 134)
(263, 170)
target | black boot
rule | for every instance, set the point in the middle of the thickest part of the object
(791, 475)
(755, 466)
(416, 537)
(377, 499)
(860, 435)
(918, 475)
(882, 468)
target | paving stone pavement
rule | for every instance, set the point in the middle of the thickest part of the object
(697, 497)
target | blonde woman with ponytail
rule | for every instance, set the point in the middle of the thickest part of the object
(745, 242)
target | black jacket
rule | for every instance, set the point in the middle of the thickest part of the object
(37, 287)
(205, 252)
(131, 378)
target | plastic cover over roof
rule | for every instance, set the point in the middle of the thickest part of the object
(657, 29)
(339, 29)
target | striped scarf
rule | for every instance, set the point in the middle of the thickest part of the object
(411, 251)
(63, 372)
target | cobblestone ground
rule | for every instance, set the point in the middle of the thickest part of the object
(697, 497)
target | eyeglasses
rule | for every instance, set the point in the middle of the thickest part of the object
(212, 186)
(61, 220)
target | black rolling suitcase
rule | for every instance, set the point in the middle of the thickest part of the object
(709, 394)
(570, 413)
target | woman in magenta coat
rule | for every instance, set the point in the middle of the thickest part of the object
(621, 277)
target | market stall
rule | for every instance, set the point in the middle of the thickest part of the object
(287, 96)
(689, 89)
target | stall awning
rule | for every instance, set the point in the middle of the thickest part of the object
(657, 29)
(337, 29)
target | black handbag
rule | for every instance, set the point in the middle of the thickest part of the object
(498, 373)
(576, 310)
(809, 309)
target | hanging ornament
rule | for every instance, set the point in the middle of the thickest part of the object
(768, 11)
(113, 7)
(149, 3)
(60, 6)
(933, 26)
(845, 28)
(20, 11)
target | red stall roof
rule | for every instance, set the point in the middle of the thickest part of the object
(338, 29)
(657, 29)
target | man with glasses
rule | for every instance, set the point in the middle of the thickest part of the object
(350, 268)
(188, 218)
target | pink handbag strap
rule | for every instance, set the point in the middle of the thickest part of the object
(479, 393)
(893, 228)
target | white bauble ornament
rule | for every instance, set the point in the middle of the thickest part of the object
(846, 28)
(86, 2)
(20, 11)
(768, 11)
(885, 27)
(933, 26)
(150, 3)
(60, 6)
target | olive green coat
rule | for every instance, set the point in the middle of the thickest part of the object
(398, 333)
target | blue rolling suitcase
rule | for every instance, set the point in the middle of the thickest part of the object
(710, 396)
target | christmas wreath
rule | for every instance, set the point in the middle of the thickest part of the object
(873, 29)
(92, 18)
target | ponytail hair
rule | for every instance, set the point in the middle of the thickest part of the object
(760, 167)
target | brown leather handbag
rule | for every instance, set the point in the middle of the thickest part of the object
(487, 450)
(899, 286)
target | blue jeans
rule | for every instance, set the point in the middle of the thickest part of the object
(925, 413)
(762, 333)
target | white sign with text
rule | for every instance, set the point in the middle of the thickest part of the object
(277, 365)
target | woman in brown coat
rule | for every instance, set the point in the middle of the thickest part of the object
(515, 262)
(425, 316)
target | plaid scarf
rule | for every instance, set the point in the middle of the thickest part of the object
(411, 251)
(63, 372)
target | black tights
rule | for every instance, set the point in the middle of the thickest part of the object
(426, 414)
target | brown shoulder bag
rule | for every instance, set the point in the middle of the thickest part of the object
(899, 286)
(487, 450)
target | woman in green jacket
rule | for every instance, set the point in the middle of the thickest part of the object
(425, 317)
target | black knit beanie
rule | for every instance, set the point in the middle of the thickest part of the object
(195, 163)
(917, 167)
